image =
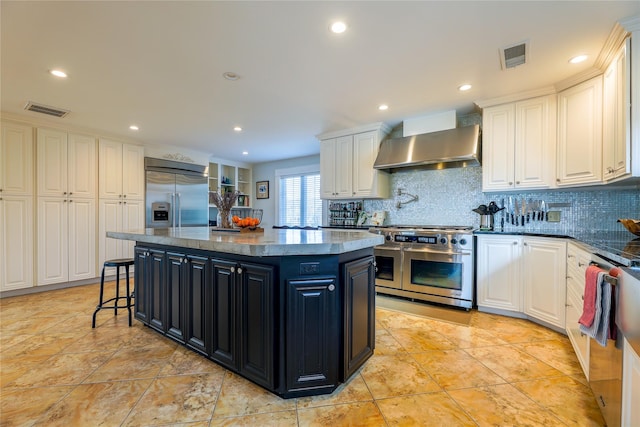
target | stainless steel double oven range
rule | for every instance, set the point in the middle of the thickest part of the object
(426, 263)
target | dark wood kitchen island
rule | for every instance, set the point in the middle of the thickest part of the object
(291, 310)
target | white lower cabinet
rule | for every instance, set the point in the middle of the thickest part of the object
(630, 386)
(498, 272)
(577, 263)
(522, 275)
(544, 279)
(118, 215)
(16, 242)
(66, 239)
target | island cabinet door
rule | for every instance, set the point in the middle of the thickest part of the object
(156, 279)
(312, 334)
(175, 290)
(256, 323)
(197, 304)
(223, 313)
(359, 314)
(141, 281)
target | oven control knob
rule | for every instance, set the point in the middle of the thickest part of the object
(388, 237)
(443, 240)
(454, 241)
(463, 241)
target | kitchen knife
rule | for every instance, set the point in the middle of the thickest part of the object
(511, 209)
(543, 214)
(529, 208)
(517, 211)
(523, 208)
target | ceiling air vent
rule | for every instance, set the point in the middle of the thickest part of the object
(44, 109)
(512, 56)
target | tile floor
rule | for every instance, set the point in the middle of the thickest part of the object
(496, 371)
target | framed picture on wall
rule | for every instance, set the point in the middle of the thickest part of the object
(262, 189)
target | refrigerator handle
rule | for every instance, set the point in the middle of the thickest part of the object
(179, 210)
(173, 210)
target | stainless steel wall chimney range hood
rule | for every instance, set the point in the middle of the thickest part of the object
(452, 148)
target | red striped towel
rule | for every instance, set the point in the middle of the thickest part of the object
(590, 293)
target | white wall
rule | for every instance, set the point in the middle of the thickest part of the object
(266, 172)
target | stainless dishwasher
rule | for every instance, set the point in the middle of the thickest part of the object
(605, 363)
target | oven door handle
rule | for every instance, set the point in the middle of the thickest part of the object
(435, 252)
(387, 249)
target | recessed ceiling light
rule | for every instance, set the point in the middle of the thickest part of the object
(338, 27)
(58, 73)
(464, 87)
(245, 153)
(134, 127)
(383, 107)
(230, 76)
(578, 59)
(237, 128)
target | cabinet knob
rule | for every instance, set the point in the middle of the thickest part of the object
(64, 193)
(332, 287)
(233, 269)
(510, 182)
(185, 260)
(581, 264)
(70, 200)
(70, 193)
(125, 196)
(557, 179)
(525, 243)
(239, 270)
(515, 243)
(517, 182)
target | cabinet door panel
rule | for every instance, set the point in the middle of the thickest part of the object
(498, 151)
(82, 238)
(110, 214)
(175, 292)
(365, 150)
(52, 163)
(53, 241)
(157, 294)
(256, 323)
(141, 284)
(82, 169)
(16, 238)
(132, 219)
(110, 169)
(328, 168)
(344, 167)
(198, 304)
(133, 172)
(359, 314)
(312, 355)
(223, 322)
(16, 159)
(498, 272)
(535, 134)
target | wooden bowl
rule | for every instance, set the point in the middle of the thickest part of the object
(633, 225)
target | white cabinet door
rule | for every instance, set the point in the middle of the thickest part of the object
(83, 165)
(328, 168)
(580, 134)
(16, 159)
(110, 214)
(498, 150)
(344, 167)
(498, 270)
(52, 163)
(544, 278)
(110, 169)
(82, 238)
(53, 241)
(133, 172)
(616, 115)
(630, 386)
(16, 242)
(132, 219)
(535, 143)
(367, 181)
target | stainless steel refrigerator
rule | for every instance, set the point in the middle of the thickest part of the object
(177, 194)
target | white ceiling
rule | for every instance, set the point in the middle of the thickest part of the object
(160, 64)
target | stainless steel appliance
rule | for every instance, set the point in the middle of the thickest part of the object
(426, 263)
(177, 194)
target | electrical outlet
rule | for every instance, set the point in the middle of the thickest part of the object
(553, 216)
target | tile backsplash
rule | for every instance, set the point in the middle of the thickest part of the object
(446, 197)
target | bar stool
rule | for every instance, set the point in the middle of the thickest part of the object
(117, 263)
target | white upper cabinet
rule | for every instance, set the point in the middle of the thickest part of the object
(66, 164)
(346, 164)
(616, 135)
(16, 159)
(121, 170)
(580, 134)
(519, 145)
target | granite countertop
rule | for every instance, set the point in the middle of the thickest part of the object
(269, 243)
(619, 246)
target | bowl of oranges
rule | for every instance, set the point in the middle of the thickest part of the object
(248, 219)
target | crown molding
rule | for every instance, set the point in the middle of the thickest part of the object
(520, 96)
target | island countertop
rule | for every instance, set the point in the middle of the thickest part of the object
(269, 243)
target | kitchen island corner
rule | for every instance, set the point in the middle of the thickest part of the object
(291, 310)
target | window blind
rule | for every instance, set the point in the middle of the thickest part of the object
(299, 200)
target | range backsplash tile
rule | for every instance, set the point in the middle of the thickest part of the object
(447, 197)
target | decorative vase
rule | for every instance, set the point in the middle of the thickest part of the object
(224, 219)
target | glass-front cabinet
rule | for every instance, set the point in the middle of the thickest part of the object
(228, 176)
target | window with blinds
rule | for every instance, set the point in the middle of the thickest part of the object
(299, 200)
